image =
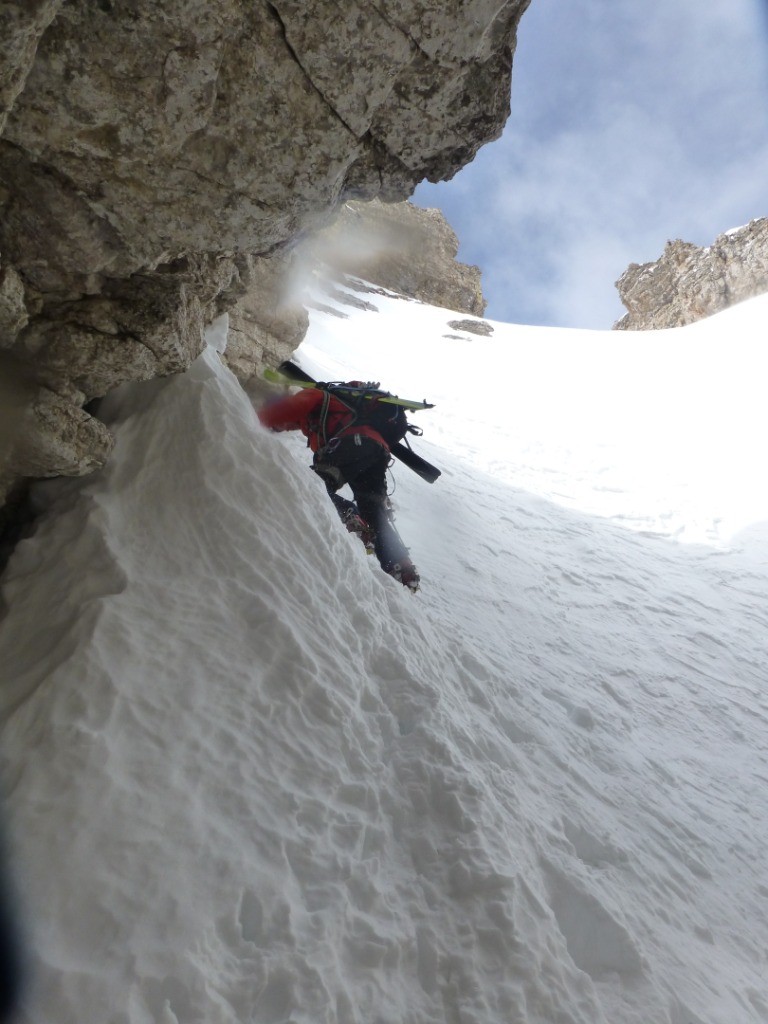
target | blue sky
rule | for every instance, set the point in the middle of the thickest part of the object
(633, 122)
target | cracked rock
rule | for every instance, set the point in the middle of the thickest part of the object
(148, 152)
(688, 283)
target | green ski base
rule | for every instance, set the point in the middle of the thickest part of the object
(275, 377)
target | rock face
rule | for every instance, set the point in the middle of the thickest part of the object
(402, 247)
(688, 283)
(394, 246)
(268, 321)
(147, 150)
(478, 327)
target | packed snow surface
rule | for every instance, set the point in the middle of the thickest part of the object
(251, 779)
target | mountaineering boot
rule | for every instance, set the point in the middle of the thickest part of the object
(405, 572)
(357, 525)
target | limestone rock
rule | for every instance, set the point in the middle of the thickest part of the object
(62, 439)
(13, 309)
(688, 283)
(74, 350)
(44, 433)
(395, 246)
(150, 152)
(479, 327)
(21, 27)
(142, 133)
(404, 248)
(141, 327)
(268, 321)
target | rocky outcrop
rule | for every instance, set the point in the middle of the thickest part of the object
(21, 28)
(688, 283)
(479, 327)
(268, 321)
(147, 150)
(404, 248)
(394, 247)
(69, 350)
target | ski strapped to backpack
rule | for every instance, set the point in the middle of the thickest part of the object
(366, 407)
(290, 373)
(392, 424)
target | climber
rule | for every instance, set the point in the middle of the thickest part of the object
(350, 447)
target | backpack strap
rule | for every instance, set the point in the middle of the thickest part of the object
(356, 406)
(323, 419)
(321, 423)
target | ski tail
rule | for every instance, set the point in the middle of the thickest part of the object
(420, 466)
(401, 451)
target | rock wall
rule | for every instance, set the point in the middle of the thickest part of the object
(688, 283)
(149, 150)
(268, 320)
(405, 248)
(396, 246)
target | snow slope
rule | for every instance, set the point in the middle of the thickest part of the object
(250, 779)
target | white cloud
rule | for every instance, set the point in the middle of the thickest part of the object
(630, 126)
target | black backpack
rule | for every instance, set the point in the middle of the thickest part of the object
(385, 418)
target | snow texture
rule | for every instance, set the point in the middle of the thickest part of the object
(249, 778)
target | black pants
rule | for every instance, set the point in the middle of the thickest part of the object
(359, 461)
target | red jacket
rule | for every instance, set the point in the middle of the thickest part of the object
(302, 411)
